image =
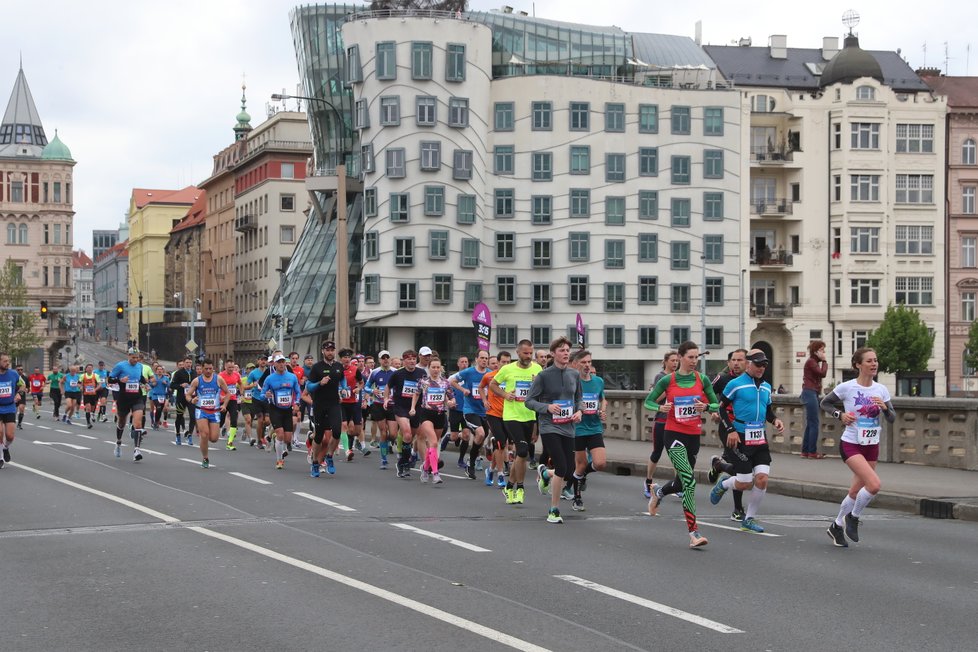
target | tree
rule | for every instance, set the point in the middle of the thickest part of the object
(971, 348)
(903, 343)
(423, 5)
(18, 329)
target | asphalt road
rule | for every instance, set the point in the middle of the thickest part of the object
(100, 553)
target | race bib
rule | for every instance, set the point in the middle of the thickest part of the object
(868, 431)
(233, 390)
(684, 408)
(475, 394)
(522, 389)
(208, 402)
(589, 404)
(90, 390)
(73, 385)
(6, 390)
(35, 385)
(132, 388)
(247, 394)
(754, 433)
(410, 388)
(566, 412)
(435, 397)
(283, 398)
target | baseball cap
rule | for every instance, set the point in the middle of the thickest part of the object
(250, 365)
(383, 353)
(757, 357)
(329, 344)
(308, 357)
(424, 350)
(133, 351)
(279, 357)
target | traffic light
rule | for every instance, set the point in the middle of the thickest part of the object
(44, 310)
(120, 310)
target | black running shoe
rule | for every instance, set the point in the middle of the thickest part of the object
(6, 454)
(837, 535)
(714, 473)
(852, 527)
(470, 472)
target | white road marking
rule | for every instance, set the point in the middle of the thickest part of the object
(86, 436)
(61, 443)
(736, 529)
(146, 450)
(43, 427)
(248, 477)
(654, 606)
(441, 537)
(342, 508)
(187, 459)
(411, 603)
(457, 477)
(63, 432)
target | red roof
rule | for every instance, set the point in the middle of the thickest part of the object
(121, 250)
(195, 216)
(80, 260)
(146, 196)
(962, 92)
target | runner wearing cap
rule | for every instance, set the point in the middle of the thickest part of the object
(246, 403)
(322, 390)
(382, 417)
(281, 389)
(259, 409)
(351, 404)
(466, 383)
(400, 391)
(131, 375)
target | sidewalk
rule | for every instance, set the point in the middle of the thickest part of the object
(930, 491)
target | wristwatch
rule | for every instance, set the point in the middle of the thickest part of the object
(837, 414)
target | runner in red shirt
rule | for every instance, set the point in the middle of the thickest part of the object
(232, 379)
(351, 405)
(35, 385)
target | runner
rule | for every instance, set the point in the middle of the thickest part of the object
(494, 420)
(589, 449)
(351, 405)
(103, 390)
(259, 409)
(744, 407)
(179, 384)
(683, 392)
(399, 394)
(282, 391)
(466, 385)
(669, 364)
(435, 395)
(382, 417)
(555, 395)
(229, 411)
(858, 404)
(54, 391)
(132, 380)
(246, 403)
(209, 393)
(300, 373)
(158, 394)
(323, 394)
(89, 384)
(36, 384)
(456, 429)
(21, 400)
(10, 383)
(71, 387)
(736, 363)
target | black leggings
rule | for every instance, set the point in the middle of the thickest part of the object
(561, 450)
(56, 398)
(658, 435)
(232, 413)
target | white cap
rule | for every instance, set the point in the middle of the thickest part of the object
(280, 357)
(270, 359)
(424, 350)
(383, 353)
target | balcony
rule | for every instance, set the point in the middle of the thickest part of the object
(771, 311)
(772, 259)
(766, 156)
(771, 207)
(246, 223)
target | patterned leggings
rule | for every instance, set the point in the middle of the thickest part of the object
(682, 450)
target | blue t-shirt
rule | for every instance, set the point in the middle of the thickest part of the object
(284, 388)
(378, 380)
(73, 382)
(472, 403)
(103, 375)
(208, 394)
(749, 400)
(133, 374)
(9, 381)
(592, 393)
(160, 389)
(256, 392)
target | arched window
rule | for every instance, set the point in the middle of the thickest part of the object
(23, 234)
(11, 234)
(865, 93)
(968, 152)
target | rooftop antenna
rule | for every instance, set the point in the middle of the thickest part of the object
(967, 59)
(850, 19)
(925, 54)
(947, 58)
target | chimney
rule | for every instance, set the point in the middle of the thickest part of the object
(779, 46)
(928, 72)
(830, 47)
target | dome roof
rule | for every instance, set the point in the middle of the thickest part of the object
(56, 150)
(243, 117)
(850, 64)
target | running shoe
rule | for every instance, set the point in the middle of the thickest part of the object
(532, 464)
(716, 493)
(478, 463)
(136, 455)
(462, 465)
(519, 495)
(252, 442)
(6, 455)
(567, 493)
(279, 465)
(330, 467)
(852, 522)
(90, 425)
(738, 515)
(750, 525)
(542, 484)
(678, 495)
(1, 462)
(178, 440)
(655, 499)
(425, 476)
(501, 481)
(314, 470)
(436, 478)
(489, 478)
(837, 535)
(714, 471)
(553, 516)
(647, 491)
(205, 463)
(190, 440)
(118, 450)
(383, 464)
(470, 472)
(582, 483)
(697, 540)
(309, 457)
(578, 505)
(230, 447)
(349, 455)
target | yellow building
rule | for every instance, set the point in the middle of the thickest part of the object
(152, 215)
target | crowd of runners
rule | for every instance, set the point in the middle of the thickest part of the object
(542, 413)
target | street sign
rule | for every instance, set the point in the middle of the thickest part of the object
(196, 324)
(272, 344)
(191, 346)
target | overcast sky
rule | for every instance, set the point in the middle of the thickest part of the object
(144, 94)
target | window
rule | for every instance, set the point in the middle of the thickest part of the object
(455, 62)
(915, 290)
(968, 200)
(462, 165)
(473, 294)
(795, 192)
(426, 111)
(679, 211)
(503, 202)
(420, 60)
(837, 187)
(580, 159)
(680, 170)
(866, 93)
(286, 234)
(837, 135)
(506, 289)
(399, 206)
(762, 104)
(577, 290)
(713, 164)
(614, 211)
(680, 297)
(470, 253)
(407, 295)
(580, 202)
(458, 112)
(540, 336)
(648, 161)
(580, 116)
(713, 121)
(712, 205)
(541, 297)
(441, 288)
(914, 240)
(386, 60)
(395, 163)
(915, 139)
(354, 71)
(466, 209)
(288, 170)
(647, 337)
(648, 118)
(371, 288)
(542, 166)
(370, 202)
(505, 247)
(542, 116)
(865, 240)
(864, 187)
(542, 254)
(614, 336)
(506, 335)
(713, 292)
(713, 337)
(579, 243)
(542, 210)
(390, 111)
(614, 254)
(648, 204)
(11, 234)
(503, 116)
(794, 295)
(864, 292)
(679, 255)
(648, 247)
(430, 155)
(678, 335)
(915, 189)
(864, 135)
(648, 290)
(713, 248)
(287, 202)
(434, 201)
(362, 115)
(836, 293)
(371, 245)
(403, 252)
(614, 297)
(614, 167)
(969, 247)
(680, 120)
(968, 152)
(968, 305)
(367, 157)
(503, 159)
(614, 117)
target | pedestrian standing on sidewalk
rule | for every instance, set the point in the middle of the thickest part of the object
(858, 404)
(811, 388)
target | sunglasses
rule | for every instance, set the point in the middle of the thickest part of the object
(384, 357)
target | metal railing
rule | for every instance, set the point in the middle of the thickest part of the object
(771, 310)
(404, 13)
(771, 206)
(778, 258)
(771, 154)
(246, 223)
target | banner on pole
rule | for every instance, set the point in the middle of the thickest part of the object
(482, 321)
(580, 331)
